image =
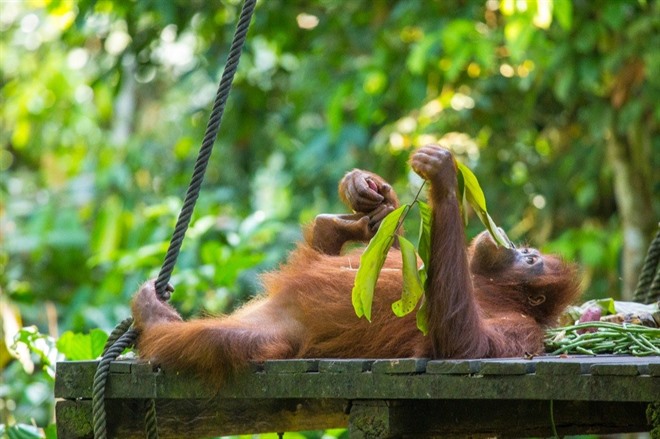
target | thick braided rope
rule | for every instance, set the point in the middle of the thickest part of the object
(648, 286)
(119, 330)
(653, 294)
(150, 420)
(206, 148)
(100, 377)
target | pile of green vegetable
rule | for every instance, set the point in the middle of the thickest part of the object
(614, 329)
(593, 338)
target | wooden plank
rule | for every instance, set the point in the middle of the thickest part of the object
(514, 366)
(424, 386)
(555, 368)
(203, 418)
(412, 397)
(653, 369)
(345, 366)
(142, 368)
(399, 366)
(441, 419)
(598, 359)
(617, 369)
(121, 366)
(74, 419)
(382, 419)
(570, 364)
(291, 366)
(75, 381)
(370, 419)
(453, 367)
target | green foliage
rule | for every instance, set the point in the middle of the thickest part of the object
(77, 346)
(40, 346)
(29, 396)
(472, 194)
(371, 262)
(21, 431)
(413, 288)
(105, 103)
(414, 277)
(424, 242)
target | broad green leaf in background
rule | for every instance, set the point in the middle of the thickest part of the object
(413, 289)
(21, 431)
(106, 239)
(563, 12)
(475, 196)
(76, 346)
(372, 261)
(51, 431)
(43, 345)
(607, 305)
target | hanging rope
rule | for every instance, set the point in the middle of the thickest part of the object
(101, 376)
(150, 420)
(205, 151)
(124, 335)
(648, 286)
(119, 330)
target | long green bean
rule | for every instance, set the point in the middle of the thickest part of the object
(593, 338)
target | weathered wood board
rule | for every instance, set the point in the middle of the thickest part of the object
(374, 398)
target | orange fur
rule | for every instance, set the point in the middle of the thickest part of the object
(483, 301)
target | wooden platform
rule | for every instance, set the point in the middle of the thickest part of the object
(374, 398)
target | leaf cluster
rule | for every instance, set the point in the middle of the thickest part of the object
(414, 276)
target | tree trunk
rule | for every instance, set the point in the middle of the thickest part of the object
(630, 159)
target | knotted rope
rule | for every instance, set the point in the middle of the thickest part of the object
(124, 335)
(100, 377)
(648, 286)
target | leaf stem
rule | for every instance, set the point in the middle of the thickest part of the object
(414, 201)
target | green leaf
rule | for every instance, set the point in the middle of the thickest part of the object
(424, 246)
(472, 187)
(51, 431)
(423, 317)
(564, 84)
(413, 289)
(462, 205)
(108, 230)
(371, 262)
(563, 12)
(23, 431)
(475, 196)
(76, 346)
(607, 305)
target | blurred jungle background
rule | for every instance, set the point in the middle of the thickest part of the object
(554, 105)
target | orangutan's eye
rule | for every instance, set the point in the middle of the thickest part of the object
(530, 260)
